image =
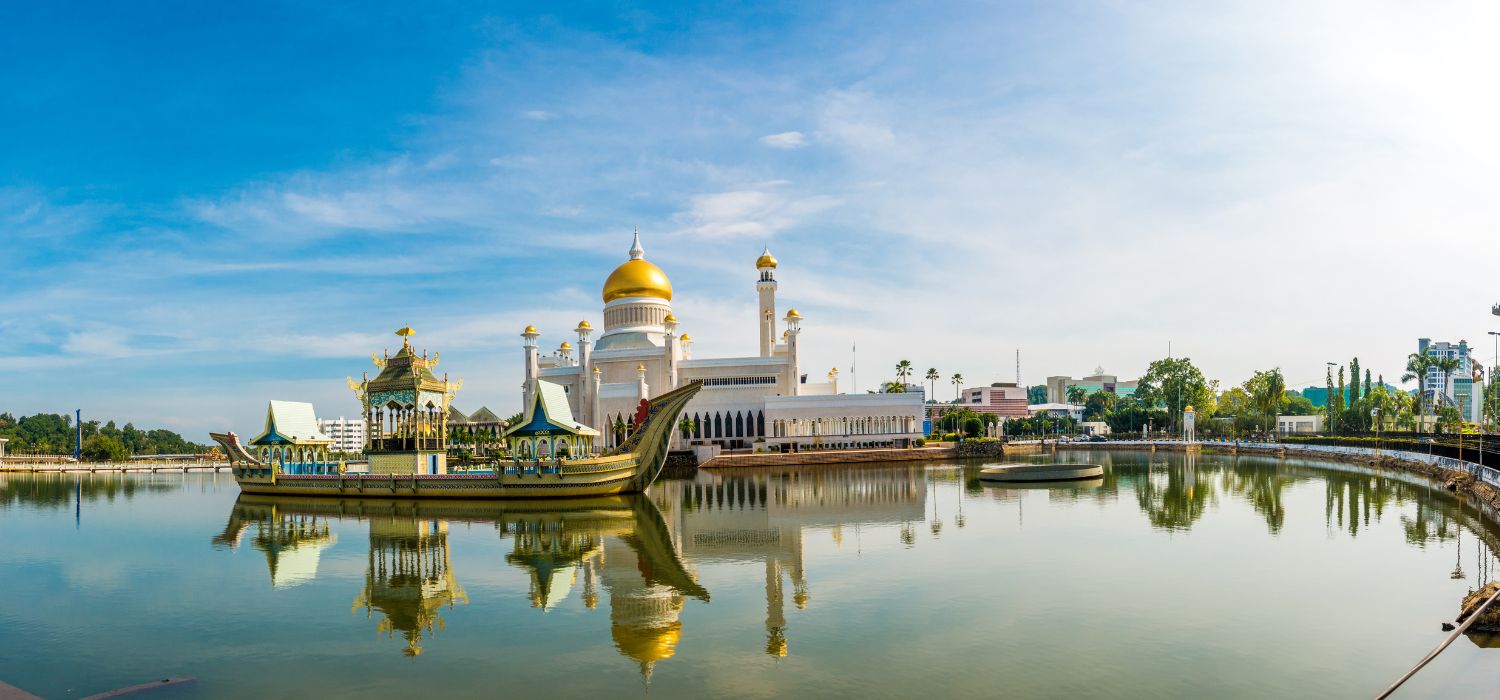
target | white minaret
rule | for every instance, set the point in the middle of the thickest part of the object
(673, 355)
(532, 369)
(794, 365)
(595, 415)
(766, 287)
(586, 391)
(642, 391)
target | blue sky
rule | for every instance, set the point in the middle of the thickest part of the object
(207, 206)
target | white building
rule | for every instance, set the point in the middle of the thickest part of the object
(640, 354)
(348, 434)
(1460, 389)
(1057, 410)
(1291, 425)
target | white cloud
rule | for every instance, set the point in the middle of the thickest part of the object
(757, 213)
(786, 139)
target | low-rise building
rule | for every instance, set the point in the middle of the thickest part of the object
(1057, 410)
(1058, 386)
(1296, 425)
(1003, 399)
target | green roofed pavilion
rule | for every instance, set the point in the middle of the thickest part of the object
(547, 430)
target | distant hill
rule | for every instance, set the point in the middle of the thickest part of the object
(52, 433)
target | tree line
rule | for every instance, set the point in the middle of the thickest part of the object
(53, 433)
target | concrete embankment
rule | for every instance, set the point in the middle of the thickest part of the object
(111, 467)
(965, 450)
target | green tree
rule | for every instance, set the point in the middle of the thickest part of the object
(1267, 391)
(932, 379)
(686, 426)
(958, 381)
(1036, 394)
(1417, 366)
(1353, 381)
(893, 388)
(1176, 383)
(1446, 365)
(104, 448)
(903, 372)
(1076, 394)
(1099, 405)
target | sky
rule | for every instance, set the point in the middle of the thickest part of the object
(204, 206)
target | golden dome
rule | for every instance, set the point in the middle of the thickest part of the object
(766, 259)
(585, 325)
(793, 314)
(687, 338)
(637, 278)
(640, 368)
(669, 319)
(565, 346)
(529, 329)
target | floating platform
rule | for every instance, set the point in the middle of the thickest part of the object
(1041, 472)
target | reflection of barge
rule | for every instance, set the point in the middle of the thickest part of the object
(407, 407)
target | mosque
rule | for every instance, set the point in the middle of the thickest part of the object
(760, 401)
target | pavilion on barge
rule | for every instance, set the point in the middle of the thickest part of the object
(548, 432)
(292, 441)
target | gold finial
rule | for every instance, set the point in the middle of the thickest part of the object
(596, 371)
(640, 368)
(406, 333)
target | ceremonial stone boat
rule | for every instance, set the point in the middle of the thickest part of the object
(1041, 472)
(630, 468)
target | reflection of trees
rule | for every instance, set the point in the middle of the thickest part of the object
(60, 490)
(1261, 484)
(1175, 497)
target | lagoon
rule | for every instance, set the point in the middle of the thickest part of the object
(1172, 576)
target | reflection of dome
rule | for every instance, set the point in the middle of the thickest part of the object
(637, 278)
(647, 644)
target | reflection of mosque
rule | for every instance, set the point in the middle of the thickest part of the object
(629, 551)
(293, 543)
(763, 516)
(409, 579)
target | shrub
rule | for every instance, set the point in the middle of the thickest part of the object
(920, 442)
(103, 448)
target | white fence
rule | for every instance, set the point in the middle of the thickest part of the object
(1487, 474)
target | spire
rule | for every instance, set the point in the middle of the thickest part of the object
(636, 251)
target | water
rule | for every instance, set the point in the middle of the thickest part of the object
(1205, 576)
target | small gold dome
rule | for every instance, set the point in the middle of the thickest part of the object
(1190, 408)
(687, 338)
(529, 329)
(793, 314)
(565, 346)
(585, 325)
(766, 259)
(669, 319)
(640, 368)
(596, 371)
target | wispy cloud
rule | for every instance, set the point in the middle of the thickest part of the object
(787, 140)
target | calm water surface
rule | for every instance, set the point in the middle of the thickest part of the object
(1203, 576)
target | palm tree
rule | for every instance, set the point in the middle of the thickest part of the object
(932, 377)
(893, 388)
(1076, 394)
(958, 380)
(686, 426)
(1417, 365)
(903, 370)
(1446, 365)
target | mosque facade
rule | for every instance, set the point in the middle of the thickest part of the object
(762, 400)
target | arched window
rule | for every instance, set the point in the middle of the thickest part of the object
(739, 424)
(760, 423)
(718, 425)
